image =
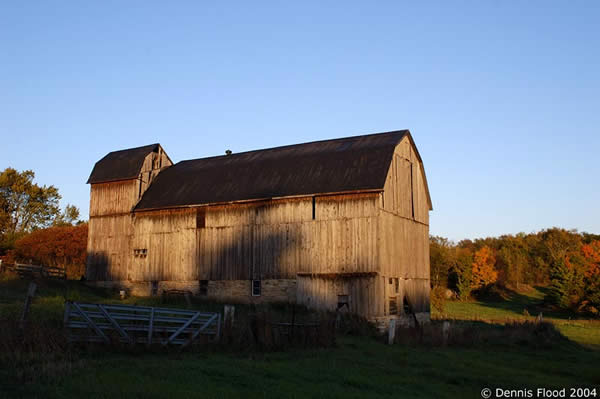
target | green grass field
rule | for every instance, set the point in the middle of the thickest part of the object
(358, 367)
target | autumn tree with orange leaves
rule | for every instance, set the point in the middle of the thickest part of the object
(61, 246)
(484, 272)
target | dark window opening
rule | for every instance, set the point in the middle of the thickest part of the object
(342, 301)
(203, 287)
(256, 287)
(406, 306)
(397, 284)
(140, 252)
(391, 280)
(314, 208)
(201, 218)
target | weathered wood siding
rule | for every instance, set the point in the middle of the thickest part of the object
(113, 198)
(324, 293)
(109, 247)
(403, 230)
(153, 164)
(169, 237)
(109, 229)
(110, 238)
(405, 191)
(268, 240)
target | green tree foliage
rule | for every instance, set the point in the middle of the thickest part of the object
(442, 255)
(462, 273)
(25, 206)
(69, 217)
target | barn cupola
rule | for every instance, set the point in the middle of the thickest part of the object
(119, 180)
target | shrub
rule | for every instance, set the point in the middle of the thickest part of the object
(63, 246)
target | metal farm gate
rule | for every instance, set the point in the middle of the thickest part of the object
(88, 322)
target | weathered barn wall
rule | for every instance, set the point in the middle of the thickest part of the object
(113, 198)
(404, 231)
(263, 240)
(109, 229)
(110, 250)
(405, 191)
(326, 292)
(153, 164)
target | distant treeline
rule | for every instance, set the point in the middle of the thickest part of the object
(566, 261)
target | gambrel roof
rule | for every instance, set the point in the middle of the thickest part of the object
(351, 164)
(121, 165)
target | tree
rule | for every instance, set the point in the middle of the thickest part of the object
(513, 260)
(591, 255)
(462, 272)
(484, 272)
(69, 217)
(441, 256)
(24, 205)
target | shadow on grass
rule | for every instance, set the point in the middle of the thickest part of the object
(480, 334)
(523, 303)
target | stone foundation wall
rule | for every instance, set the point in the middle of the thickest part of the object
(235, 291)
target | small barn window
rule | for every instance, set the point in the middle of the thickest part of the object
(314, 208)
(343, 301)
(203, 287)
(140, 252)
(397, 284)
(256, 287)
(201, 218)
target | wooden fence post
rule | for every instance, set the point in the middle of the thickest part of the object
(229, 315)
(445, 332)
(28, 298)
(392, 331)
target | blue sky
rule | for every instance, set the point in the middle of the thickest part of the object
(502, 98)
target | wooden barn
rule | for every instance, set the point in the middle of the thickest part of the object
(340, 223)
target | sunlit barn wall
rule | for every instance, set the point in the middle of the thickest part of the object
(110, 228)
